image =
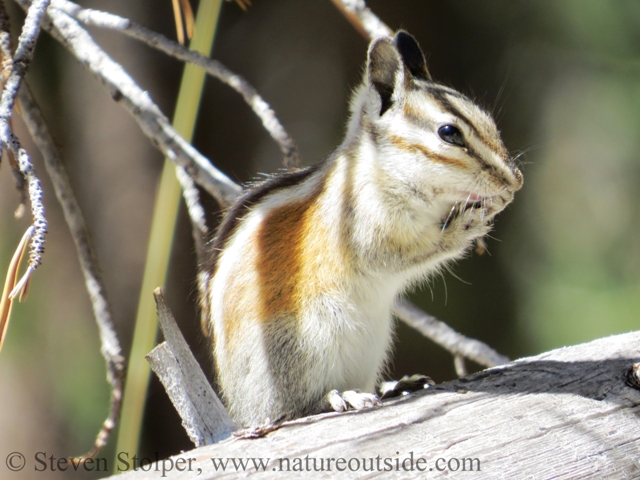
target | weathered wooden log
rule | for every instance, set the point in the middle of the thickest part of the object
(566, 414)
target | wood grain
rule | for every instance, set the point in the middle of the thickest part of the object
(565, 414)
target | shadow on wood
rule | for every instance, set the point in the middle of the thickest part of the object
(568, 413)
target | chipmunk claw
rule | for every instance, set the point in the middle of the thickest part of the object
(358, 400)
(336, 401)
(341, 402)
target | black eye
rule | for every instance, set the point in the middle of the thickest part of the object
(451, 134)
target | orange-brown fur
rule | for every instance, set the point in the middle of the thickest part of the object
(282, 255)
(293, 263)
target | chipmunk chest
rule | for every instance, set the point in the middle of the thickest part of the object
(350, 333)
(402, 234)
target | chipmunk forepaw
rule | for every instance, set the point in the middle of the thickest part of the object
(358, 400)
(351, 399)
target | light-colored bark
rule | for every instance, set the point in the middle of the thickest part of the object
(565, 414)
(203, 416)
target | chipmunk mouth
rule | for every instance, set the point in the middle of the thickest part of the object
(471, 205)
(467, 200)
(472, 197)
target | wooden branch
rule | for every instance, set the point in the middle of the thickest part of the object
(565, 414)
(110, 345)
(447, 337)
(6, 50)
(204, 417)
(363, 19)
(213, 67)
(18, 65)
(138, 103)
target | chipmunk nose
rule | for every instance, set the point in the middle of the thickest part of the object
(512, 177)
(519, 180)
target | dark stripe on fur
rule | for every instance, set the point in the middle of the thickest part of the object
(440, 96)
(239, 209)
(436, 88)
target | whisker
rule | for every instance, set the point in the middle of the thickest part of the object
(456, 276)
(466, 202)
(516, 158)
(446, 222)
(446, 291)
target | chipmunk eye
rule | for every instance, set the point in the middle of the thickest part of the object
(451, 134)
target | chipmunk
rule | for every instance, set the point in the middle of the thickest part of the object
(306, 265)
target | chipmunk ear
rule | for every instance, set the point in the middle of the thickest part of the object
(412, 55)
(385, 72)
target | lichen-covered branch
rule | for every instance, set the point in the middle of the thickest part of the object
(19, 64)
(7, 62)
(22, 57)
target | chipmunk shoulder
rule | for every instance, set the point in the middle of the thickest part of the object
(306, 265)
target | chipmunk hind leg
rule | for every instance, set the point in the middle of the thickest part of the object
(300, 379)
(291, 389)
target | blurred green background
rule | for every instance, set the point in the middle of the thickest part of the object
(562, 79)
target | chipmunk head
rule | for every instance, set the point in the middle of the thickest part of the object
(428, 135)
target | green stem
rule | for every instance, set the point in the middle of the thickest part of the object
(161, 237)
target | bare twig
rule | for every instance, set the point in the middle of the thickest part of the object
(447, 337)
(243, 4)
(191, 196)
(204, 417)
(110, 346)
(363, 19)
(192, 199)
(19, 65)
(212, 67)
(199, 229)
(138, 103)
(459, 365)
